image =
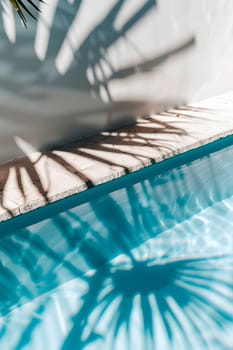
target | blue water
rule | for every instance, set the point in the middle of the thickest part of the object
(143, 263)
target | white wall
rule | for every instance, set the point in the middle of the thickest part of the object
(90, 65)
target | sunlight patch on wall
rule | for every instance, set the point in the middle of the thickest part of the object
(44, 26)
(8, 21)
(83, 24)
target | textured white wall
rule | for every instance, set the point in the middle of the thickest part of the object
(89, 65)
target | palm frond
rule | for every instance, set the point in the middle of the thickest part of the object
(20, 5)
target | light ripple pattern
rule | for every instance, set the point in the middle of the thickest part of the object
(148, 266)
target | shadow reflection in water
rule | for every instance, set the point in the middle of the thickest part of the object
(148, 306)
(133, 269)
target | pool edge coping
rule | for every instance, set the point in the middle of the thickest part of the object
(202, 123)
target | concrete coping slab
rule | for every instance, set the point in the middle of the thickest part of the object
(40, 178)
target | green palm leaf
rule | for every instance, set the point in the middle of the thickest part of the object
(20, 5)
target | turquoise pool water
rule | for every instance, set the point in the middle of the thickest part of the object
(145, 262)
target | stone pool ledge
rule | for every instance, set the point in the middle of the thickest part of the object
(41, 178)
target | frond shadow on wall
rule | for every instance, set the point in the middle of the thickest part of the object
(33, 84)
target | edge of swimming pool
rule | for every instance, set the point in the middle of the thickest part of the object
(188, 133)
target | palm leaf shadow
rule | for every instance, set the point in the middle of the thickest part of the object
(161, 283)
(147, 133)
(141, 135)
